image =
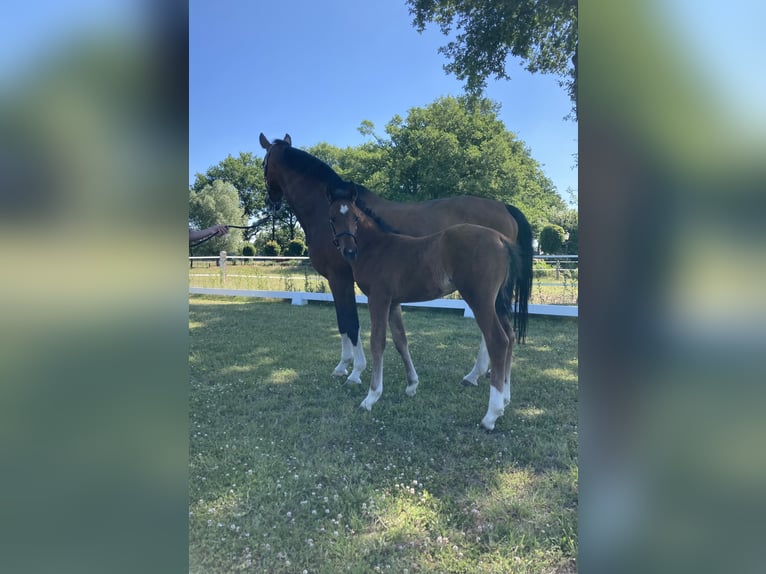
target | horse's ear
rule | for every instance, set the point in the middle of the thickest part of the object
(265, 144)
(288, 139)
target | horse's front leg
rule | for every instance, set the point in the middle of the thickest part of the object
(400, 342)
(378, 318)
(342, 287)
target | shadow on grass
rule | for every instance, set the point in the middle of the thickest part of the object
(287, 473)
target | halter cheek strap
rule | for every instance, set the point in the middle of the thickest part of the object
(337, 236)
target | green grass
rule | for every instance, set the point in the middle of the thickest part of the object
(288, 475)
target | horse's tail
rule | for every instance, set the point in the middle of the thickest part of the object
(523, 281)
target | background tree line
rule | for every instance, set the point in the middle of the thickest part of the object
(454, 146)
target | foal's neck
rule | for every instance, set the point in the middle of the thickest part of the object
(369, 231)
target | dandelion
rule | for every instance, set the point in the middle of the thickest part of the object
(289, 514)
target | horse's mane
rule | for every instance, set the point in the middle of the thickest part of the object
(301, 161)
(367, 210)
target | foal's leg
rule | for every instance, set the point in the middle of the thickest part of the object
(480, 368)
(400, 342)
(497, 346)
(378, 318)
(342, 287)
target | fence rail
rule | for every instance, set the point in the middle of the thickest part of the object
(303, 297)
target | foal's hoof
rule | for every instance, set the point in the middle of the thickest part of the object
(340, 373)
(353, 380)
(487, 425)
(468, 383)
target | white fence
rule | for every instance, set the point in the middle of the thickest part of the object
(302, 297)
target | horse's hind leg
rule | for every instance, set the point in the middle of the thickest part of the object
(480, 368)
(348, 325)
(505, 320)
(400, 342)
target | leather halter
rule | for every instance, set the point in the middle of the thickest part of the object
(337, 236)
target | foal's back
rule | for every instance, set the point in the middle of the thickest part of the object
(464, 257)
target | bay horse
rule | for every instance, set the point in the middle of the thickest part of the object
(303, 181)
(391, 268)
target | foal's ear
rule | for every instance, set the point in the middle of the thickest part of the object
(265, 144)
(352, 191)
(288, 139)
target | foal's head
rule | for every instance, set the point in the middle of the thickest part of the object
(344, 219)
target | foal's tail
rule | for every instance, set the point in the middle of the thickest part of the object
(523, 279)
(504, 301)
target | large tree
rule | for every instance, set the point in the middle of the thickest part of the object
(245, 173)
(217, 203)
(542, 33)
(452, 147)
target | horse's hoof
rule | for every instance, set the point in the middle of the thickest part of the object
(467, 383)
(365, 407)
(410, 390)
(339, 373)
(486, 425)
(354, 380)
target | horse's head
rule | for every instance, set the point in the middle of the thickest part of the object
(270, 170)
(344, 218)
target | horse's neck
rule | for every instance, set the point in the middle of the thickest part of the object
(304, 207)
(373, 201)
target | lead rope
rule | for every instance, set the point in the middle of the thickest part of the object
(256, 224)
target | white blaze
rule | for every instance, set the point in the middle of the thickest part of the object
(343, 209)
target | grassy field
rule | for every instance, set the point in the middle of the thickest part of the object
(300, 276)
(288, 475)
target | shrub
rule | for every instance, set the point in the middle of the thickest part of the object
(540, 269)
(552, 239)
(573, 242)
(272, 249)
(295, 248)
(248, 250)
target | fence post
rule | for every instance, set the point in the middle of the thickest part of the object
(558, 268)
(222, 264)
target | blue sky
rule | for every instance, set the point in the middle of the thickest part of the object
(316, 70)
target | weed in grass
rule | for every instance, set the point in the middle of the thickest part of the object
(287, 475)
